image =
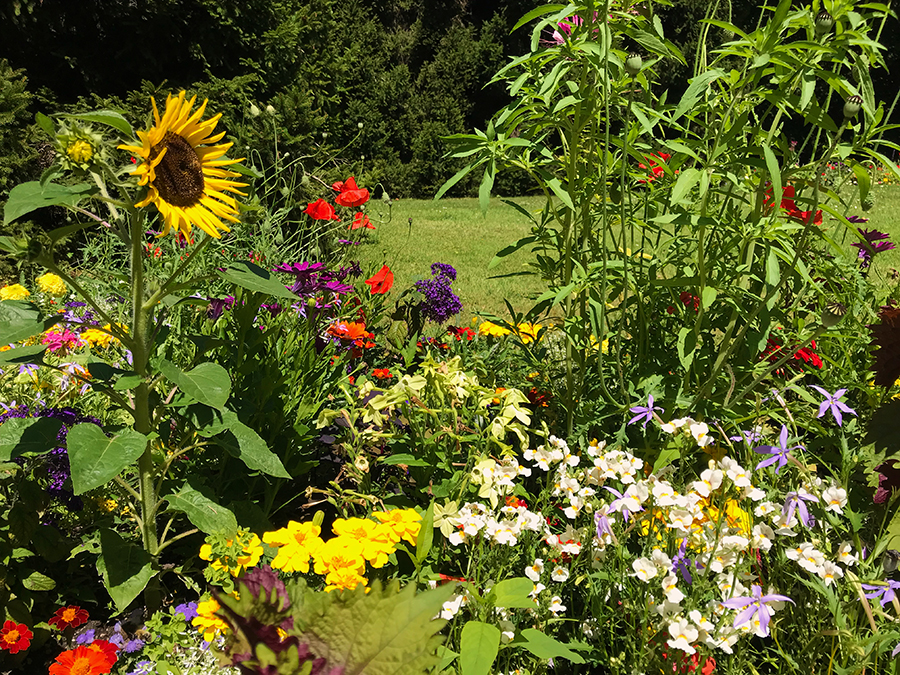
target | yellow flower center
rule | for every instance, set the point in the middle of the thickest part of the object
(81, 666)
(12, 637)
(80, 151)
(179, 175)
(69, 614)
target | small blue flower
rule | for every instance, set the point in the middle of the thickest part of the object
(644, 413)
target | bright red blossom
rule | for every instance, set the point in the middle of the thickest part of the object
(68, 616)
(15, 637)
(81, 661)
(108, 649)
(382, 373)
(320, 210)
(350, 194)
(381, 281)
(789, 205)
(655, 169)
(361, 220)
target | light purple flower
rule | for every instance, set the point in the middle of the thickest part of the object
(886, 592)
(188, 610)
(750, 436)
(621, 504)
(644, 413)
(779, 453)
(85, 638)
(896, 650)
(796, 501)
(831, 401)
(602, 522)
(752, 605)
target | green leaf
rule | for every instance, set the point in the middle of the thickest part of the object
(773, 270)
(254, 278)
(426, 534)
(773, 169)
(405, 459)
(863, 180)
(545, 647)
(108, 117)
(126, 568)
(698, 87)
(484, 190)
(687, 179)
(20, 355)
(535, 13)
(96, 459)
(509, 250)
(20, 435)
(687, 343)
(708, 297)
(38, 582)
(20, 320)
(205, 514)
(513, 593)
(46, 124)
(28, 197)
(242, 442)
(478, 648)
(208, 383)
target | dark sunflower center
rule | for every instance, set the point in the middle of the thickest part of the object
(179, 176)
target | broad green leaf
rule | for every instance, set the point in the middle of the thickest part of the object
(708, 297)
(20, 320)
(687, 343)
(774, 171)
(33, 434)
(698, 87)
(405, 459)
(513, 593)
(208, 383)
(535, 13)
(28, 197)
(773, 270)
(242, 442)
(50, 544)
(24, 355)
(687, 179)
(38, 582)
(254, 278)
(426, 534)
(545, 647)
(666, 456)
(205, 514)
(46, 124)
(126, 569)
(478, 648)
(484, 190)
(96, 459)
(108, 117)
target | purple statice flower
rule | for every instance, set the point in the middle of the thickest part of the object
(187, 609)
(779, 452)
(796, 501)
(754, 605)
(872, 245)
(440, 302)
(133, 646)
(645, 413)
(681, 563)
(886, 593)
(86, 637)
(217, 306)
(75, 303)
(831, 402)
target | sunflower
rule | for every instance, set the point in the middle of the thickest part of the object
(183, 169)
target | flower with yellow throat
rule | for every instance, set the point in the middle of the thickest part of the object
(183, 169)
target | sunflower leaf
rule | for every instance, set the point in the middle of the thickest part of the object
(126, 568)
(32, 196)
(108, 117)
(19, 320)
(255, 278)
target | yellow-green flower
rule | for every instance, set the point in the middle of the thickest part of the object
(14, 292)
(80, 151)
(52, 284)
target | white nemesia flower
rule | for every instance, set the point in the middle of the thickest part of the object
(536, 590)
(835, 498)
(661, 559)
(670, 589)
(710, 480)
(450, 608)
(644, 569)
(683, 633)
(663, 493)
(830, 572)
(700, 432)
(672, 426)
(507, 631)
(559, 573)
(534, 572)
(763, 536)
(846, 555)
(556, 605)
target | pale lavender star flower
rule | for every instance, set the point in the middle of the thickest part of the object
(602, 522)
(779, 453)
(831, 401)
(623, 501)
(886, 592)
(754, 604)
(796, 501)
(644, 413)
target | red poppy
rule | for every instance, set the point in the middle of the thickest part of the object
(382, 281)
(321, 210)
(788, 204)
(655, 169)
(775, 351)
(361, 220)
(382, 373)
(350, 194)
(461, 332)
(68, 616)
(80, 661)
(15, 637)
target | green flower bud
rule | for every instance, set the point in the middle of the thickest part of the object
(834, 312)
(852, 106)
(270, 110)
(824, 23)
(633, 64)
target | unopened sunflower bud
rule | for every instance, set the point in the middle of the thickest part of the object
(254, 110)
(852, 106)
(824, 23)
(633, 64)
(834, 312)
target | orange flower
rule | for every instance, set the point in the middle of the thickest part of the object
(68, 616)
(81, 661)
(348, 330)
(382, 281)
(108, 649)
(382, 373)
(361, 220)
(320, 210)
(15, 637)
(350, 194)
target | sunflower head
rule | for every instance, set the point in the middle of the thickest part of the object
(79, 147)
(183, 168)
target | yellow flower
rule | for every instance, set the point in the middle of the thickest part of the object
(528, 332)
(603, 345)
(492, 329)
(735, 517)
(344, 577)
(296, 543)
(183, 170)
(14, 292)
(52, 284)
(378, 541)
(339, 553)
(207, 621)
(404, 522)
(80, 151)
(96, 337)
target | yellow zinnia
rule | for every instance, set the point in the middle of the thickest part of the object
(14, 292)
(183, 169)
(52, 284)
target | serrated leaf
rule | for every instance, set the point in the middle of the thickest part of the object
(96, 459)
(513, 593)
(20, 435)
(31, 196)
(126, 569)
(478, 648)
(545, 647)
(255, 278)
(108, 117)
(205, 514)
(20, 320)
(208, 383)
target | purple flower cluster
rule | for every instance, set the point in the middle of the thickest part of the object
(440, 302)
(79, 321)
(875, 242)
(312, 279)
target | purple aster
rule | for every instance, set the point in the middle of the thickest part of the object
(133, 646)
(644, 413)
(779, 452)
(796, 501)
(873, 244)
(831, 402)
(754, 604)
(86, 637)
(187, 609)
(857, 219)
(886, 592)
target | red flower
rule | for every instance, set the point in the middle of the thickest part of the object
(462, 332)
(788, 204)
(81, 661)
(321, 210)
(350, 194)
(382, 281)
(108, 649)
(656, 170)
(382, 373)
(68, 616)
(15, 637)
(361, 220)
(690, 299)
(775, 351)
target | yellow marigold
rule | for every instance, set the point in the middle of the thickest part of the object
(404, 522)
(207, 621)
(96, 337)
(339, 553)
(14, 292)
(344, 577)
(377, 540)
(251, 552)
(492, 329)
(296, 543)
(528, 332)
(52, 284)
